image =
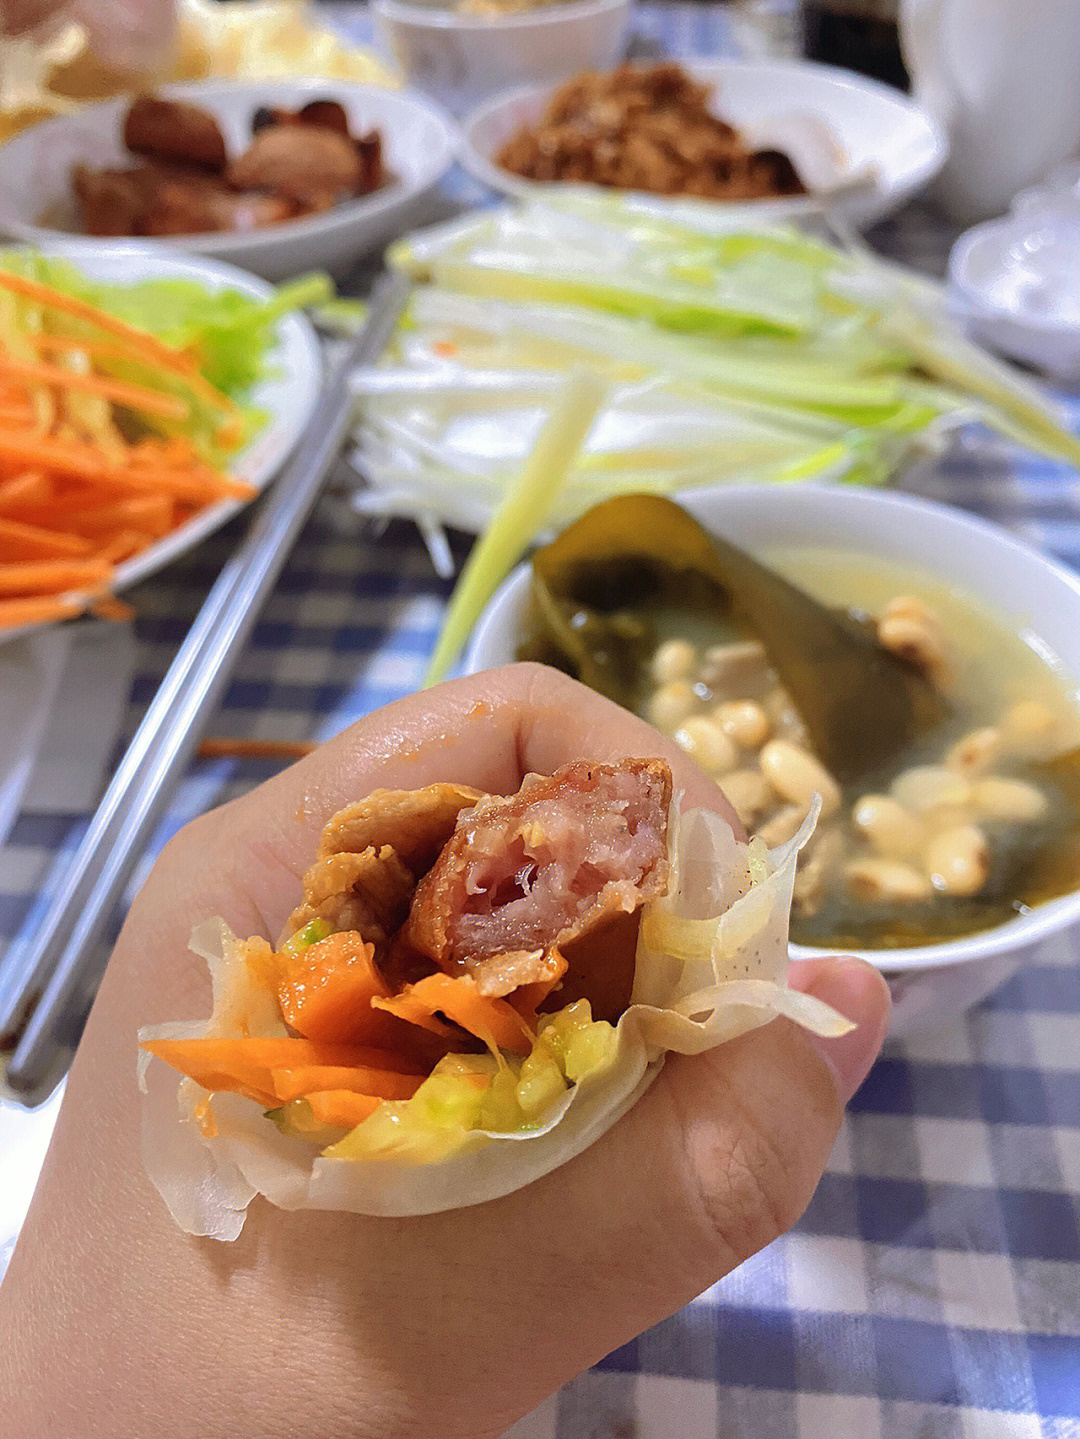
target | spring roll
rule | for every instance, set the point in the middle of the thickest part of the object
(470, 991)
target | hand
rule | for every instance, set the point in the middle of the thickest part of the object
(315, 1324)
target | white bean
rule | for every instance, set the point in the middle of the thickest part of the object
(734, 667)
(975, 752)
(673, 660)
(816, 863)
(958, 860)
(743, 721)
(784, 825)
(671, 704)
(798, 775)
(783, 716)
(911, 607)
(749, 794)
(1032, 729)
(890, 828)
(915, 642)
(1008, 799)
(707, 744)
(885, 881)
(926, 785)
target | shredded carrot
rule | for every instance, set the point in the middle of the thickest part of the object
(457, 997)
(254, 749)
(151, 515)
(38, 577)
(122, 546)
(145, 344)
(245, 1066)
(71, 457)
(31, 542)
(108, 607)
(311, 1078)
(37, 611)
(341, 1109)
(78, 493)
(327, 989)
(31, 487)
(132, 397)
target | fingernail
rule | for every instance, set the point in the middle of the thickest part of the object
(858, 992)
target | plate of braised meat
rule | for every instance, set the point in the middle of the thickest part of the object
(275, 176)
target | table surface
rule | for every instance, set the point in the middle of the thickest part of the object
(933, 1287)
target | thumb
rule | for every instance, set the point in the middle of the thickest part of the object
(760, 1115)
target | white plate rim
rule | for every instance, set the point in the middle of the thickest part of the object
(289, 397)
(366, 209)
(880, 197)
(439, 17)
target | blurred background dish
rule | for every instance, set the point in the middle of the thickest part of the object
(883, 147)
(97, 49)
(417, 146)
(1016, 282)
(461, 53)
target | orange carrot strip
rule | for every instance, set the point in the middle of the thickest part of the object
(36, 611)
(122, 546)
(31, 487)
(108, 607)
(340, 1108)
(119, 392)
(214, 748)
(103, 349)
(145, 344)
(37, 577)
(149, 514)
(457, 997)
(67, 457)
(31, 542)
(243, 1066)
(308, 1079)
(528, 998)
(327, 989)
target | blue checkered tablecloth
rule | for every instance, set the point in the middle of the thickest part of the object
(933, 1287)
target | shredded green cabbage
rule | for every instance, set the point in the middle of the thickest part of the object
(733, 355)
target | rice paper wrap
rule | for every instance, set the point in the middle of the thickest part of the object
(711, 964)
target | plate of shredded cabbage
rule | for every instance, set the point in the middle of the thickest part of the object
(753, 353)
(146, 399)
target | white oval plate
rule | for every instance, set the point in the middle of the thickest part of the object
(288, 394)
(418, 145)
(887, 146)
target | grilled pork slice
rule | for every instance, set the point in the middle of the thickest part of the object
(547, 867)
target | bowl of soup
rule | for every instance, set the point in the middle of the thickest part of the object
(963, 853)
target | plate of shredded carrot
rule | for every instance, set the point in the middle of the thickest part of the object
(143, 400)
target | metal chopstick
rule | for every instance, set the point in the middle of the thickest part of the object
(89, 885)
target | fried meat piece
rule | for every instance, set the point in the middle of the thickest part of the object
(415, 823)
(307, 164)
(174, 132)
(368, 892)
(546, 866)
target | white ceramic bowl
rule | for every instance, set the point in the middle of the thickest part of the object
(886, 144)
(1025, 589)
(418, 140)
(461, 59)
(1017, 285)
